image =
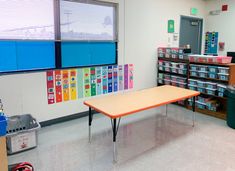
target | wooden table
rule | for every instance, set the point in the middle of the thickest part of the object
(119, 105)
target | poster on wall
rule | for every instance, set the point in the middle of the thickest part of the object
(120, 78)
(211, 43)
(93, 81)
(110, 79)
(126, 77)
(73, 84)
(50, 87)
(105, 79)
(98, 80)
(87, 86)
(65, 85)
(58, 86)
(80, 83)
(115, 78)
(131, 68)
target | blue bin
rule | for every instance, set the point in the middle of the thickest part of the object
(3, 125)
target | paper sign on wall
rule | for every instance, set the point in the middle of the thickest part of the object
(50, 87)
(115, 78)
(73, 84)
(87, 86)
(131, 76)
(105, 79)
(120, 78)
(126, 76)
(110, 79)
(98, 81)
(58, 86)
(65, 84)
(80, 82)
(93, 81)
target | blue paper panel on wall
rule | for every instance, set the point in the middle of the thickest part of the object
(87, 53)
(26, 55)
(35, 55)
(8, 60)
(211, 43)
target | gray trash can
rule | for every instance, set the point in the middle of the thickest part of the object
(230, 92)
(21, 133)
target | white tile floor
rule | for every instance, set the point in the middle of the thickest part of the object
(146, 141)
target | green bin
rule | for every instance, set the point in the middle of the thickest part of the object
(230, 92)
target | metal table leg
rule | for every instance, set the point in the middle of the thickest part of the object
(166, 109)
(90, 121)
(193, 107)
(115, 127)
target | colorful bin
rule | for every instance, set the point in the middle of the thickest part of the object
(202, 74)
(202, 68)
(201, 84)
(192, 82)
(192, 87)
(194, 67)
(223, 70)
(211, 85)
(213, 69)
(182, 71)
(182, 85)
(223, 77)
(211, 91)
(201, 89)
(212, 75)
(221, 87)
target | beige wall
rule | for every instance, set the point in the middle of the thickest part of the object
(142, 28)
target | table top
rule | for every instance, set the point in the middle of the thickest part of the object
(118, 105)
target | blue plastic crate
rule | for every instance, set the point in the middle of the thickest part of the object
(3, 125)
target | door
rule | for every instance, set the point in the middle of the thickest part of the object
(191, 33)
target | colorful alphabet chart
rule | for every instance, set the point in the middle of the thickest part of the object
(73, 84)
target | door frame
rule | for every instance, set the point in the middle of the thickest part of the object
(201, 29)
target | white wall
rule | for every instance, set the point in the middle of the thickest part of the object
(223, 23)
(141, 31)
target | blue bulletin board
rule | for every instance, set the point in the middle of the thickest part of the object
(211, 43)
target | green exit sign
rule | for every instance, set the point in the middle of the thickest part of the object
(193, 11)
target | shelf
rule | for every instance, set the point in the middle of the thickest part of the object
(174, 60)
(224, 98)
(220, 114)
(211, 79)
(182, 75)
(216, 64)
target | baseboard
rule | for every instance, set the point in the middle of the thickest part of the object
(65, 118)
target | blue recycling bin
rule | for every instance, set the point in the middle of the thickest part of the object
(3, 125)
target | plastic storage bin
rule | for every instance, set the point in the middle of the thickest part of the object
(161, 76)
(161, 67)
(194, 73)
(174, 78)
(161, 81)
(213, 69)
(182, 85)
(182, 80)
(174, 83)
(223, 70)
(224, 77)
(202, 68)
(224, 60)
(202, 74)
(175, 53)
(201, 89)
(167, 64)
(221, 94)
(167, 82)
(167, 69)
(161, 52)
(168, 53)
(182, 71)
(212, 75)
(174, 70)
(3, 125)
(192, 82)
(167, 77)
(211, 85)
(194, 67)
(201, 84)
(21, 133)
(182, 66)
(192, 87)
(200, 105)
(161, 62)
(221, 87)
(211, 91)
(174, 65)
